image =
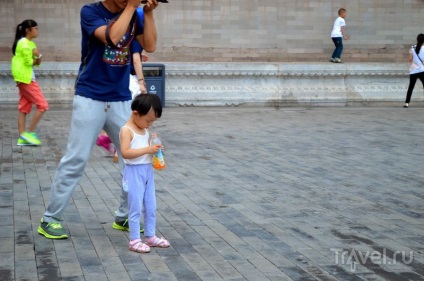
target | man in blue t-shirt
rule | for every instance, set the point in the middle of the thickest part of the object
(102, 97)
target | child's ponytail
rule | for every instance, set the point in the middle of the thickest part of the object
(21, 32)
(18, 35)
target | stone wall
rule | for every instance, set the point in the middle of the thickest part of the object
(236, 30)
(248, 84)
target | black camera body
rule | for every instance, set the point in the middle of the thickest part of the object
(162, 1)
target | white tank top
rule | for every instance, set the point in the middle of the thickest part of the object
(139, 141)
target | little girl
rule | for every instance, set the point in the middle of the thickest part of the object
(138, 179)
(25, 55)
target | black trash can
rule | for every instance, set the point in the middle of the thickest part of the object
(154, 76)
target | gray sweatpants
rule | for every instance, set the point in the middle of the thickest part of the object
(89, 117)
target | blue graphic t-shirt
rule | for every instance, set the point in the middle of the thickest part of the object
(104, 72)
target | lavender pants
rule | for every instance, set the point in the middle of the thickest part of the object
(140, 181)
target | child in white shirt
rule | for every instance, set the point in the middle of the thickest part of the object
(337, 35)
(138, 179)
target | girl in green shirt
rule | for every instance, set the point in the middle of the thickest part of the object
(25, 56)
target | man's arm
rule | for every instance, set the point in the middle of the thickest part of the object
(149, 37)
(118, 29)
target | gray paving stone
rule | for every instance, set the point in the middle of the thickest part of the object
(197, 262)
(7, 263)
(248, 271)
(154, 263)
(161, 276)
(8, 245)
(96, 273)
(114, 268)
(297, 274)
(181, 269)
(248, 194)
(182, 246)
(137, 272)
(73, 278)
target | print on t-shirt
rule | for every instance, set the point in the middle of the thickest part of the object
(121, 55)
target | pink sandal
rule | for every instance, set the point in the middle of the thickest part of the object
(138, 246)
(104, 142)
(157, 242)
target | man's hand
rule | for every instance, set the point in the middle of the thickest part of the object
(148, 38)
(144, 57)
(150, 5)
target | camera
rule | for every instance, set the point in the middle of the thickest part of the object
(162, 1)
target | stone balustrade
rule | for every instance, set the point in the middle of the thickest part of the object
(247, 84)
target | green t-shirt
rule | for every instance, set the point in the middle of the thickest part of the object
(23, 60)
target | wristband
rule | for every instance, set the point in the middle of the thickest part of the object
(39, 57)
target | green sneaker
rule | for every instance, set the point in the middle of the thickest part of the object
(31, 137)
(22, 142)
(52, 230)
(123, 225)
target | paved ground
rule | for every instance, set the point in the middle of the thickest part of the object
(248, 194)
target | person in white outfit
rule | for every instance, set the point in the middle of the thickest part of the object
(337, 35)
(138, 179)
(416, 71)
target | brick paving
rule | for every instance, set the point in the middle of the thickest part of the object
(248, 194)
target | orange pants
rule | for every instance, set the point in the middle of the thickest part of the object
(31, 94)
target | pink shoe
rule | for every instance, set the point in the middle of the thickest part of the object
(138, 246)
(104, 141)
(157, 242)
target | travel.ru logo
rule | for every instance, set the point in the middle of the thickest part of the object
(386, 258)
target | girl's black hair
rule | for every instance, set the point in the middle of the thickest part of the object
(420, 41)
(21, 31)
(144, 102)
